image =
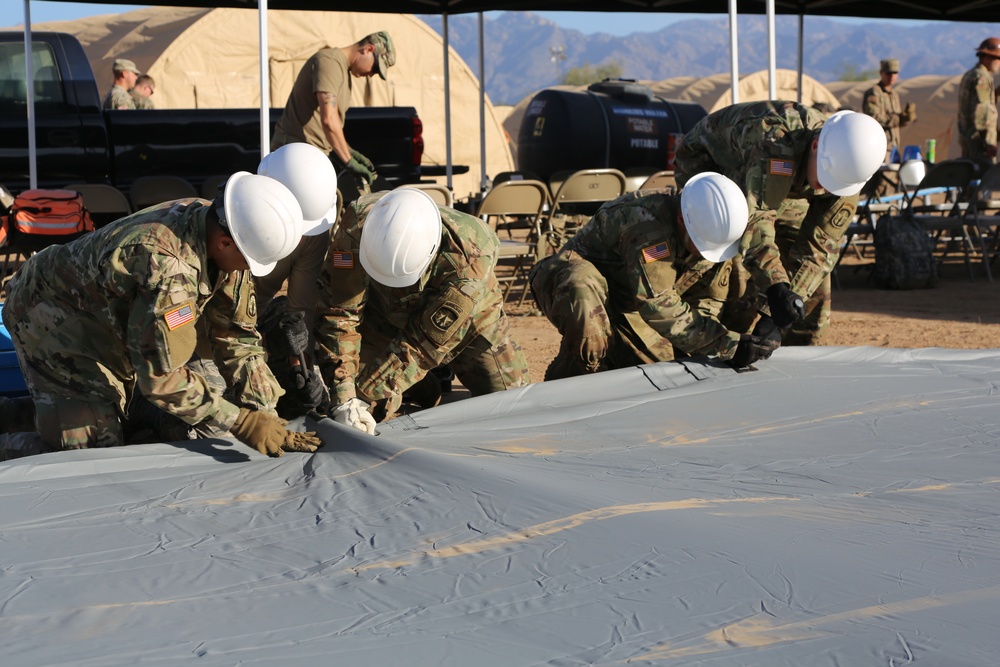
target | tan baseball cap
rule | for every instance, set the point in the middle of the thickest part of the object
(890, 66)
(385, 52)
(125, 65)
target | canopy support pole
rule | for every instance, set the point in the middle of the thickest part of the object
(802, 62)
(734, 53)
(772, 78)
(265, 81)
(29, 87)
(483, 178)
(447, 102)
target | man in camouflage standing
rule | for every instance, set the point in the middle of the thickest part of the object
(646, 279)
(882, 103)
(125, 73)
(115, 317)
(977, 106)
(409, 286)
(778, 151)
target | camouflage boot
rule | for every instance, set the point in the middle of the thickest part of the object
(17, 414)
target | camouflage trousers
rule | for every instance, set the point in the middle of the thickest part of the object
(975, 150)
(596, 336)
(490, 362)
(80, 400)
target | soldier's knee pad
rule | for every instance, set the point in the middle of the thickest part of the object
(72, 424)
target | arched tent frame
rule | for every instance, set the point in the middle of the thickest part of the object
(942, 10)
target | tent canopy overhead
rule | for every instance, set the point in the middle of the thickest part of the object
(931, 10)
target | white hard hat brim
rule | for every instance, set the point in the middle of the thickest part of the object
(830, 184)
(322, 225)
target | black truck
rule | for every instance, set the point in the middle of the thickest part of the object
(79, 142)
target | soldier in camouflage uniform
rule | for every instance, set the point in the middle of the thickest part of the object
(882, 103)
(142, 92)
(125, 73)
(977, 106)
(778, 151)
(632, 286)
(117, 314)
(409, 286)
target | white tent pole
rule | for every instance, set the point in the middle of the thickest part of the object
(265, 82)
(447, 102)
(802, 63)
(483, 180)
(772, 78)
(734, 53)
(29, 86)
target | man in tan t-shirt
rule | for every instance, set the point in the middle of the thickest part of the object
(321, 96)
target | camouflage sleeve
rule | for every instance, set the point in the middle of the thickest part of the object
(342, 296)
(661, 306)
(879, 107)
(817, 246)
(231, 322)
(453, 312)
(162, 336)
(985, 113)
(767, 187)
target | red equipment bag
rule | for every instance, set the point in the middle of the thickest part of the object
(50, 213)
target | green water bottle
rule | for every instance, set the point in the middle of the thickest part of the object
(931, 149)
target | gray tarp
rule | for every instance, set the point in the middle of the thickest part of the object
(835, 507)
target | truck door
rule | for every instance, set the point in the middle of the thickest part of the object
(62, 141)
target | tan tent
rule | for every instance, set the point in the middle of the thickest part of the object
(712, 92)
(208, 58)
(936, 98)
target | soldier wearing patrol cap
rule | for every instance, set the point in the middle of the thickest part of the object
(409, 286)
(116, 315)
(882, 103)
(778, 151)
(977, 107)
(125, 73)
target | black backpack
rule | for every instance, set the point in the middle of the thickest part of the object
(904, 254)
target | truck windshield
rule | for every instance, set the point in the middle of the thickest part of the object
(49, 94)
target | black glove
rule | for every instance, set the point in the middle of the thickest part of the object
(293, 327)
(786, 306)
(768, 336)
(746, 352)
(310, 390)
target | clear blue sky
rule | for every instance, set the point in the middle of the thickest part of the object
(586, 22)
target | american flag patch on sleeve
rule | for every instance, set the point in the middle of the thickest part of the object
(655, 252)
(178, 317)
(343, 260)
(781, 167)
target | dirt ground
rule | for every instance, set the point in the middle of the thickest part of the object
(958, 313)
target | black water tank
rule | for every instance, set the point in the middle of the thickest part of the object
(615, 123)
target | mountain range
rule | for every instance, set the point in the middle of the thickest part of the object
(525, 52)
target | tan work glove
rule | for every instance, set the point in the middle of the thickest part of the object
(268, 436)
(909, 113)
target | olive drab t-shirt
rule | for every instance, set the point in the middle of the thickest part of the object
(326, 71)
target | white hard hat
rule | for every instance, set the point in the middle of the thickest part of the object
(309, 174)
(912, 172)
(400, 237)
(851, 148)
(715, 215)
(263, 217)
